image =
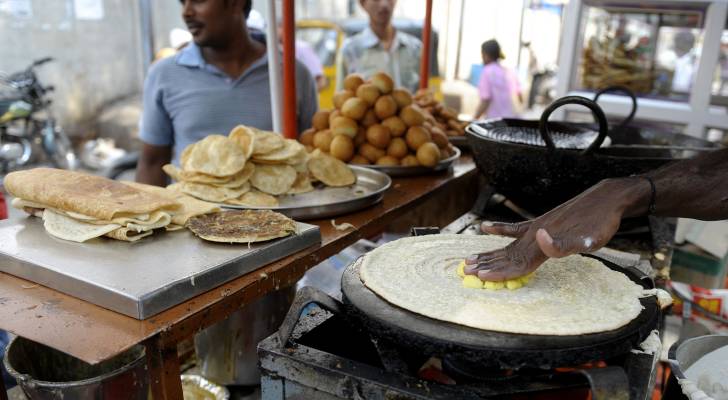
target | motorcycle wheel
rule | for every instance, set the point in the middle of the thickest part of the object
(23, 159)
(58, 148)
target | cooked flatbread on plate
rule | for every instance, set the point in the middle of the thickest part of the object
(329, 170)
(574, 295)
(245, 138)
(302, 184)
(179, 175)
(266, 142)
(214, 155)
(254, 199)
(292, 152)
(242, 226)
(213, 193)
(273, 179)
(190, 206)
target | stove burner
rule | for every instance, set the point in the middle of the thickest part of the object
(463, 371)
(319, 364)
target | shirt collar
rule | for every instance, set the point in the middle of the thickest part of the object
(190, 56)
(370, 39)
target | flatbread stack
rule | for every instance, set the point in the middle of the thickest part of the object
(250, 168)
(574, 295)
(78, 207)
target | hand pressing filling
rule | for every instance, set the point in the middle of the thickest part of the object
(473, 282)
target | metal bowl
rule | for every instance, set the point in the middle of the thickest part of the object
(45, 373)
(196, 387)
(400, 171)
(685, 353)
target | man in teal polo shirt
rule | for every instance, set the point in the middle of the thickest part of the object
(218, 81)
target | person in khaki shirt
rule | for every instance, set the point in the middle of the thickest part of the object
(380, 47)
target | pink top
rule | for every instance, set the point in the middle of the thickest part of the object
(498, 84)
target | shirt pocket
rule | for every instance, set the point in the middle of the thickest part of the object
(372, 62)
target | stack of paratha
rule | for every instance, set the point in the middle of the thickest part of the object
(78, 207)
(251, 167)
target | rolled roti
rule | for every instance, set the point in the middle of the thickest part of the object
(94, 196)
(79, 207)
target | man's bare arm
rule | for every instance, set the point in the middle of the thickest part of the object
(695, 188)
(149, 168)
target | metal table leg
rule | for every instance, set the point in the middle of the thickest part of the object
(164, 373)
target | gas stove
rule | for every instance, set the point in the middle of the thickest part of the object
(329, 357)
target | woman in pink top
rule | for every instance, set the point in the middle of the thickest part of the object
(498, 85)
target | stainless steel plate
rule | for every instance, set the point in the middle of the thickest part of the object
(330, 201)
(400, 171)
(137, 279)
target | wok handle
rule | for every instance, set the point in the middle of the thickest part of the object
(596, 112)
(305, 296)
(608, 383)
(628, 92)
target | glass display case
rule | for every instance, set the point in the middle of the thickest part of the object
(673, 54)
(652, 51)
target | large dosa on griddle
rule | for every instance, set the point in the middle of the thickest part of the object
(85, 194)
(574, 295)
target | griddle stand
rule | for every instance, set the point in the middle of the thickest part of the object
(292, 366)
(319, 355)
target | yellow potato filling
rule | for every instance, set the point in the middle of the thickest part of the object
(473, 282)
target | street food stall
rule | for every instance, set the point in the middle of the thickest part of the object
(99, 300)
(108, 278)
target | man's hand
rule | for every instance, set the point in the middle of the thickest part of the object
(692, 188)
(583, 224)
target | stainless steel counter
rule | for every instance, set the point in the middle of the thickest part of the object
(137, 279)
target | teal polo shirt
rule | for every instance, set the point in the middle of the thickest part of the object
(187, 99)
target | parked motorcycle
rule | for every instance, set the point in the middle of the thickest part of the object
(26, 123)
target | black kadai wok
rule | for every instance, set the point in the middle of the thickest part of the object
(539, 164)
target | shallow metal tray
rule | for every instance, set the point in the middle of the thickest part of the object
(400, 171)
(331, 201)
(138, 279)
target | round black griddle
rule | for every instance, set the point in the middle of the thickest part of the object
(488, 349)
